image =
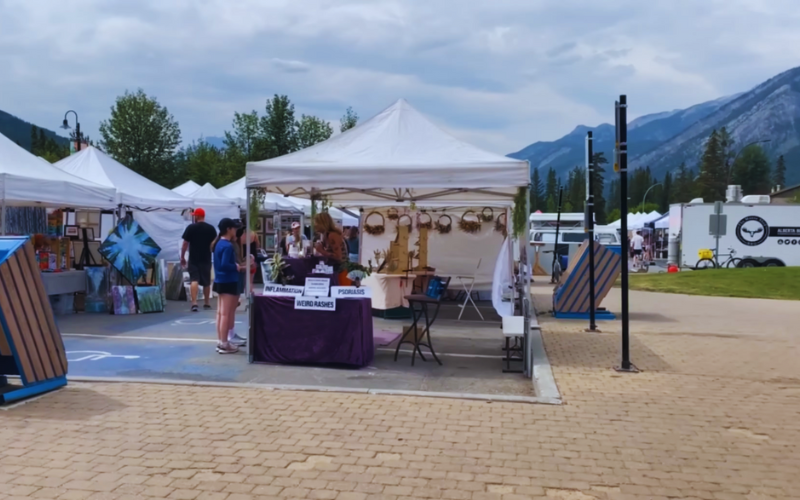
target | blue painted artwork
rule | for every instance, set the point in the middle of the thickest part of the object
(96, 289)
(130, 250)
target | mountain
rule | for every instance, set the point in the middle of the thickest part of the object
(663, 140)
(19, 131)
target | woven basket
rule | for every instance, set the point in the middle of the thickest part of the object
(392, 214)
(442, 227)
(376, 229)
(470, 226)
(501, 225)
(410, 224)
(487, 217)
(426, 224)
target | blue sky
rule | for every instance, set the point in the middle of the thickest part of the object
(500, 74)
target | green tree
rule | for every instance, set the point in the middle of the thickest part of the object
(35, 144)
(599, 187)
(278, 127)
(711, 182)
(551, 186)
(205, 163)
(613, 215)
(751, 171)
(142, 135)
(613, 198)
(779, 176)
(666, 193)
(727, 154)
(551, 205)
(537, 192)
(246, 137)
(575, 193)
(311, 130)
(349, 120)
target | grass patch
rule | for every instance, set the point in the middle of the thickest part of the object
(753, 283)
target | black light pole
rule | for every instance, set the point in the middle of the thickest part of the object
(555, 247)
(622, 152)
(590, 227)
(65, 126)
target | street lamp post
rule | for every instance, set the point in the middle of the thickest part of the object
(65, 126)
(645, 193)
(730, 167)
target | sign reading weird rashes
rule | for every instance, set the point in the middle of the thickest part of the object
(315, 303)
(351, 292)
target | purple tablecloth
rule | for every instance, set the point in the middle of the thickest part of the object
(283, 335)
(301, 269)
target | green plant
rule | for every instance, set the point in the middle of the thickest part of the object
(519, 217)
(350, 267)
(278, 270)
(254, 209)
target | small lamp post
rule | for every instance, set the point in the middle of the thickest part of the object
(65, 126)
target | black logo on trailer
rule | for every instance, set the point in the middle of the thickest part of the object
(752, 230)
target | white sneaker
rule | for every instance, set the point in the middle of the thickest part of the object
(236, 340)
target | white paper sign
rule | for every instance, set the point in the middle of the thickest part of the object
(322, 268)
(317, 287)
(276, 290)
(315, 303)
(351, 292)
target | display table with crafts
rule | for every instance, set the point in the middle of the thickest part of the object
(302, 267)
(389, 290)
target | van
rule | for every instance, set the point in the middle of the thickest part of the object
(569, 240)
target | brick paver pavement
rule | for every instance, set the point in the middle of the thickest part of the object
(693, 424)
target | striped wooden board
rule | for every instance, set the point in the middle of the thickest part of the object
(572, 296)
(30, 333)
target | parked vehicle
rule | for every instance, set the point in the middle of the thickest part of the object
(569, 240)
(756, 234)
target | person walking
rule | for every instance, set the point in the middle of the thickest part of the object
(197, 238)
(226, 284)
(352, 244)
(637, 245)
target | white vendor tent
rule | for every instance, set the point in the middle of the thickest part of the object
(134, 190)
(208, 195)
(396, 156)
(399, 158)
(237, 190)
(187, 188)
(27, 180)
(663, 222)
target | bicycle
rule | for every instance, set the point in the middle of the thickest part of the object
(710, 260)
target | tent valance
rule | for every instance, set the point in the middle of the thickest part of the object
(398, 156)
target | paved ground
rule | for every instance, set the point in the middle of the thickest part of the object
(713, 415)
(179, 345)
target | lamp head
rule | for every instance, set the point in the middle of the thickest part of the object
(65, 124)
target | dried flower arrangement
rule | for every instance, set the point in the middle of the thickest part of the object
(442, 227)
(392, 214)
(374, 229)
(487, 217)
(427, 224)
(470, 226)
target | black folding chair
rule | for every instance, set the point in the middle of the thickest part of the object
(423, 300)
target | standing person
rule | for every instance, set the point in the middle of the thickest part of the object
(296, 238)
(332, 246)
(226, 284)
(352, 244)
(637, 245)
(197, 238)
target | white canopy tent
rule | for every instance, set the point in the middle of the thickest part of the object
(27, 180)
(187, 188)
(399, 157)
(134, 190)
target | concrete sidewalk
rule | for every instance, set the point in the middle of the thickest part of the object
(713, 415)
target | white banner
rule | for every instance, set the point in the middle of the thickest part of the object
(315, 303)
(276, 290)
(351, 292)
(317, 287)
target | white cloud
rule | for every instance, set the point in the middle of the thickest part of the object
(498, 73)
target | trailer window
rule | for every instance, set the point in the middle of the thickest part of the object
(573, 237)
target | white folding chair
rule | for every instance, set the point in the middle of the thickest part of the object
(467, 282)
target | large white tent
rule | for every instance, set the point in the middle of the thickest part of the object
(187, 188)
(27, 180)
(398, 156)
(134, 191)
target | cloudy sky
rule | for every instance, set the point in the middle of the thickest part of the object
(498, 73)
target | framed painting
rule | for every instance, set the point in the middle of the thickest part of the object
(123, 299)
(130, 250)
(96, 290)
(149, 298)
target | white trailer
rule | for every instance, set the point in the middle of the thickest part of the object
(759, 234)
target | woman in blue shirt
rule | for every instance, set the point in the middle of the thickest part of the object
(226, 283)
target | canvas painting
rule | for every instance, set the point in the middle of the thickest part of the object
(130, 250)
(96, 290)
(123, 300)
(149, 299)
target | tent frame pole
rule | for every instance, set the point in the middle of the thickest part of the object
(248, 287)
(3, 214)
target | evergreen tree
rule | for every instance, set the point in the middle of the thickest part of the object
(551, 204)
(537, 192)
(613, 198)
(666, 193)
(684, 190)
(751, 171)
(575, 193)
(711, 182)
(35, 145)
(779, 177)
(726, 153)
(599, 186)
(278, 127)
(551, 187)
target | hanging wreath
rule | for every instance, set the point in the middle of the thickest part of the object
(442, 227)
(392, 214)
(501, 224)
(428, 224)
(470, 226)
(376, 229)
(487, 217)
(410, 224)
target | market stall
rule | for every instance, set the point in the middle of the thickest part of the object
(30, 187)
(397, 159)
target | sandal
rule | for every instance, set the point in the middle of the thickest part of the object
(207, 306)
(194, 308)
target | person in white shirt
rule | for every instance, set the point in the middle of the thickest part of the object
(637, 245)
